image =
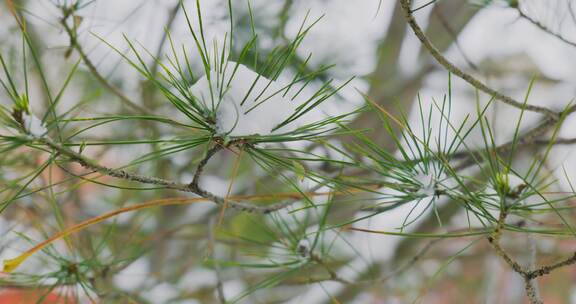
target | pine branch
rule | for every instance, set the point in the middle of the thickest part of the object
(465, 76)
(167, 184)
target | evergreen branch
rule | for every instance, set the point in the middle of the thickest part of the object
(465, 76)
(168, 184)
(527, 275)
(528, 139)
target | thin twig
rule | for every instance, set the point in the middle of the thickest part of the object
(494, 240)
(532, 258)
(74, 44)
(527, 139)
(547, 269)
(454, 35)
(217, 268)
(543, 27)
(465, 76)
(200, 168)
(169, 23)
(333, 275)
(168, 184)
(531, 292)
(527, 275)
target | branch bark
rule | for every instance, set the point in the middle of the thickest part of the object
(167, 184)
(406, 7)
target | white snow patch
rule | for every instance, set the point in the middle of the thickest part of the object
(352, 44)
(233, 288)
(428, 182)
(198, 278)
(33, 125)
(245, 102)
(133, 276)
(161, 293)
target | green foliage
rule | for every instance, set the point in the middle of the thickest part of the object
(319, 194)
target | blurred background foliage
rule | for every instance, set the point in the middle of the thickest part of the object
(359, 219)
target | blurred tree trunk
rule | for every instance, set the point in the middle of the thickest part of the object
(396, 92)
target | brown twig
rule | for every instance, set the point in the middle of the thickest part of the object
(200, 168)
(543, 27)
(527, 274)
(406, 4)
(74, 44)
(172, 13)
(333, 275)
(454, 36)
(529, 138)
(168, 184)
